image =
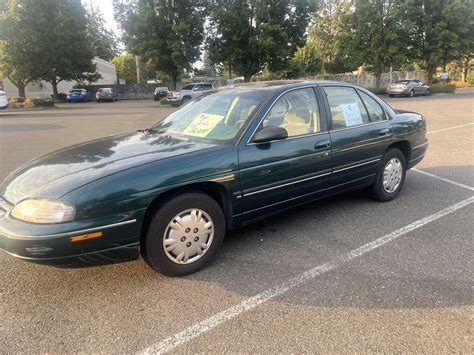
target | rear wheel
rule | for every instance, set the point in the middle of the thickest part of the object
(390, 177)
(185, 99)
(411, 93)
(184, 234)
(391, 95)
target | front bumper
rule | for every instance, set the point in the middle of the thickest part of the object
(117, 242)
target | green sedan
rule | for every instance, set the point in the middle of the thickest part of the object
(224, 160)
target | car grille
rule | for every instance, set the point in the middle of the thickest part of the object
(5, 206)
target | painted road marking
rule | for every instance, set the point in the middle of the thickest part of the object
(447, 129)
(443, 179)
(210, 323)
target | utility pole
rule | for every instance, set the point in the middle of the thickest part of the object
(137, 63)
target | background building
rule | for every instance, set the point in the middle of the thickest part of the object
(43, 89)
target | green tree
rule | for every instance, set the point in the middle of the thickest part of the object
(168, 32)
(15, 62)
(438, 30)
(309, 59)
(324, 36)
(103, 40)
(247, 36)
(373, 36)
(126, 67)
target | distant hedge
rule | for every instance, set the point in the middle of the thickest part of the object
(377, 91)
(442, 88)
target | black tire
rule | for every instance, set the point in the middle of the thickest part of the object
(185, 99)
(99, 100)
(428, 92)
(391, 95)
(377, 190)
(152, 248)
(411, 93)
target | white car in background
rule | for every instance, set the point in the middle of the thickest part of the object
(188, 92)
(3, 100)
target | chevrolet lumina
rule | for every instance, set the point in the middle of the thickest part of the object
(225, 159)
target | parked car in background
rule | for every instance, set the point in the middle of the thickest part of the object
(160, 92)
(78, 95)
(224, 160)
(106, 94)
(3, 100)
(408, 88)
(188, 92)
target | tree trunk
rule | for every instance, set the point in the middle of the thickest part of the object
(54, 83)
(430, 72)
(377, 79)
(21, 91)
(174, 80)
(465, 67)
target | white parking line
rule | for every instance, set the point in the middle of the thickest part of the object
(447, 129)
(443, 179)
(208, 324)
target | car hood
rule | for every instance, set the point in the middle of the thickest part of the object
(57, 173)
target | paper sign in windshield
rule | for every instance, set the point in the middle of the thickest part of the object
(202, 125)
(351, 114)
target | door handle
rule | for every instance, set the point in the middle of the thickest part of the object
(384, 132)
(322, 145)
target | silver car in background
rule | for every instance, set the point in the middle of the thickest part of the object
(408, 88)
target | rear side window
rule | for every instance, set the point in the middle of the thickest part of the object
(347, 109)
(376, 112)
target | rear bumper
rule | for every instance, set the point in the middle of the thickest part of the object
(118, 242)
(398, 91)
(417, 154)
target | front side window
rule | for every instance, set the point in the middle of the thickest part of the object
(347, 109)
(188, 87)
(296, 111)
(218, 116)
(375, 111)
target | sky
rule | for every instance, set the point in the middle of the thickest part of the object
(107, 9)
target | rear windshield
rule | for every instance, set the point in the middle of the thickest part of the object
(403, 81)
(78, 90)
(105, 90)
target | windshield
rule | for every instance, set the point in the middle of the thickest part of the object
(218, 116)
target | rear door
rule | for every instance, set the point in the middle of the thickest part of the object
(360, 133)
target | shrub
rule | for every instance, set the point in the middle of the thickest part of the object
(164, 101)
(43, 102)
(62, 96)
(470, 78)
(377, 91)
(442, 88)
(28, 103)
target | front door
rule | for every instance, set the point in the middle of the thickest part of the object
(282, 173)
(360, 133)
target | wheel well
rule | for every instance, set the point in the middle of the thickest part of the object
(405, 148)
(212, 189)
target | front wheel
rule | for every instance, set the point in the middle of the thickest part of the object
(427, 93)
(411, 93)
(184, 234)
(390, 177)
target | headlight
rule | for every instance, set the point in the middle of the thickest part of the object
(43, 211)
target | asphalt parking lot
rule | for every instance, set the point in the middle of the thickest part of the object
(344, 274)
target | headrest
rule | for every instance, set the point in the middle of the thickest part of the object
(293, 118)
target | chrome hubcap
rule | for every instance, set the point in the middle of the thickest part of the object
(392, 175)
(188, 236)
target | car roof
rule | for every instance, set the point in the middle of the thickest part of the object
(283, 85)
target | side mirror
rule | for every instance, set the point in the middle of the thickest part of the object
(269, 134)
